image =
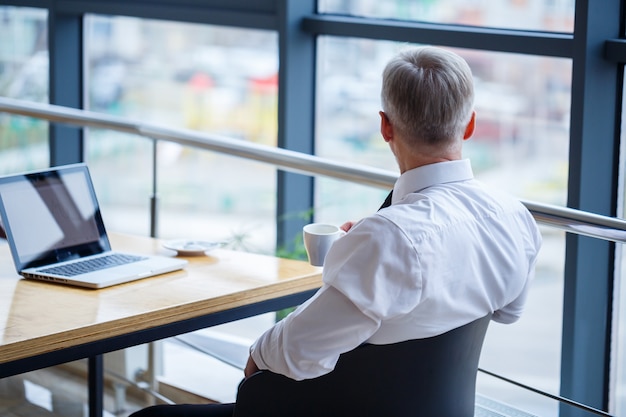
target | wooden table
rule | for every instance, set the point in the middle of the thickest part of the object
(43, 324)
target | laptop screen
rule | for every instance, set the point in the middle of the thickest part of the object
(51, 216)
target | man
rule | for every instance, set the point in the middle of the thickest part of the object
(444, 253)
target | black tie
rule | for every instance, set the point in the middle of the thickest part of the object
(387, 202)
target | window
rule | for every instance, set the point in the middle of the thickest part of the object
(23, 75)
(552, 15)
(619, 302)
(212, 79)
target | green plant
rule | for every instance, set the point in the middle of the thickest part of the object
(293, 250)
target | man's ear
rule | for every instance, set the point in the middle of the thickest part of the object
(386, 128)
(471, 126)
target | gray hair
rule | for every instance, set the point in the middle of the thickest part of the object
(428, 93)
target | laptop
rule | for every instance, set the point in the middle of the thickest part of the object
(55, 231)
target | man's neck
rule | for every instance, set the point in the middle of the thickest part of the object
(409, 158)
(408, 161)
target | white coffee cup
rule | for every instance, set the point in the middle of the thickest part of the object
(318, 237)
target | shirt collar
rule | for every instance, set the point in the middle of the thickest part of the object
(428, 175)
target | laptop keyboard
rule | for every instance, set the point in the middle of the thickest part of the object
(90, 265)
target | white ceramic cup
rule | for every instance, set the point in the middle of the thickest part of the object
(318, 237)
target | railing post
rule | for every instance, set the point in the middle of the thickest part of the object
(154, 198)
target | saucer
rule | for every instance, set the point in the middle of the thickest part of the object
(192, 247)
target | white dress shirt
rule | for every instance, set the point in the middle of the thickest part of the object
(446, 252)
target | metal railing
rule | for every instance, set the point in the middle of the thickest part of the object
(563, 218)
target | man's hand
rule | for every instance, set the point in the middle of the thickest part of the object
(251, 367)
(346, 226)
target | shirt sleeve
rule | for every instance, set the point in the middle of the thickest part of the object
(511, 312)
(376, 266)
(308, 342)
(362, 287)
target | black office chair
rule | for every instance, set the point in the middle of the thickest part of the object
(432, 377)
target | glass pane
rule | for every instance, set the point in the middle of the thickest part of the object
(618, 375)
(207, 78)
(23, 75)
(520, 145)
(544, 15)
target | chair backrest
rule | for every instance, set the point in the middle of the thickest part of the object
(431, 377)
